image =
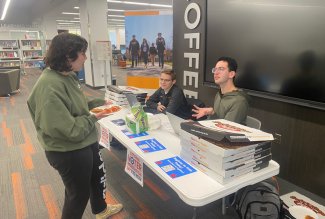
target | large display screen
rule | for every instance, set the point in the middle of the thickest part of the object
(279, 45)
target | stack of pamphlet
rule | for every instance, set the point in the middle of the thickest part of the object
(116, 94)
(225, 150)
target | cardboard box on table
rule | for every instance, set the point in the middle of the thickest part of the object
(226, 179)
(221, 159)
(219, 163)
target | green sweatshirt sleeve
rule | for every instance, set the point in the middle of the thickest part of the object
(95, 103)
(56, 121)
(238, 112)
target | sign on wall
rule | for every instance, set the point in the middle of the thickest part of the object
(189, 39)
(103, 50)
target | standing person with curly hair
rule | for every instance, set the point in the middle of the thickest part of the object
(66, 129)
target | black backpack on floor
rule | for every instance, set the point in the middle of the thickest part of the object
(258, 201)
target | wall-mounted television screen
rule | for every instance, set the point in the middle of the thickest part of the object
(279, 46)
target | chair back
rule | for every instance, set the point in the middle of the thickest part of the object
(253, 122)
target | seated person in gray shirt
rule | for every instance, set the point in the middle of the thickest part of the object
(230, 103)
(169, 97)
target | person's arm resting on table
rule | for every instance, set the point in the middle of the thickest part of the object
(153, 100)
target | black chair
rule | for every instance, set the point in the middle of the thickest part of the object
(9, 81)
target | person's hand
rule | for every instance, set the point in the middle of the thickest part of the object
(200, 112)
(108, 102)
(160, 107)
(101, 114)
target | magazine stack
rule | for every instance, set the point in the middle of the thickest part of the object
(225, 150)
(116, 94)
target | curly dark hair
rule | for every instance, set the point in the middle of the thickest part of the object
(64, 47)
(232, 64)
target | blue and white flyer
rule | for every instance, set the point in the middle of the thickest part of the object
(150, 145)
(175, 167)
(131, 135)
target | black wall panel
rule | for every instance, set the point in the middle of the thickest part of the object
(301, 152)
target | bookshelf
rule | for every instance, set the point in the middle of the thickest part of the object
(47, 44)
(9, 54)
(31, 53)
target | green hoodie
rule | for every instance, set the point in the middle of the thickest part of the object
(60, 112)
(232, 106)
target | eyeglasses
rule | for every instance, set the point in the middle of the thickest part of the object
(220, 69)
(165, 80)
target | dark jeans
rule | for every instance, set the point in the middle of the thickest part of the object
(134, 59)
(84, 176)
(161, 58)
(145, 58)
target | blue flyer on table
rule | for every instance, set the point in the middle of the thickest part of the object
(175, 167)
(119, 122)
(150, 145)
(131, 135)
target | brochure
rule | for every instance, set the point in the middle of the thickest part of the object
(175, 167)
(150, 145)
(131, 135)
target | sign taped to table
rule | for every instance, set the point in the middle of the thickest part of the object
(134, 167)
(150, 145)
(175, 167)
(105, 138)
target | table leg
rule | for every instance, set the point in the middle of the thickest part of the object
(223, 207)
(194, 213)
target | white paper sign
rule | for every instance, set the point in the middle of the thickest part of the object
(134, 167)
(103, 50)
(104, 138)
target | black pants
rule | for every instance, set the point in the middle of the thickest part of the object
(145, 58)
(134, 60)
(84, 176)
(161, 58)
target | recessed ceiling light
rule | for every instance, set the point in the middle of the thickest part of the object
(76, 7)
(71, 13)
(112, 15)
(68, 21)
(115, 20)
(117, 10)
(5, 8)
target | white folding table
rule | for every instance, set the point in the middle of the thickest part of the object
(195, 189)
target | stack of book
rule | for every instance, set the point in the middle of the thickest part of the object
(116, 94)
(225, 150)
